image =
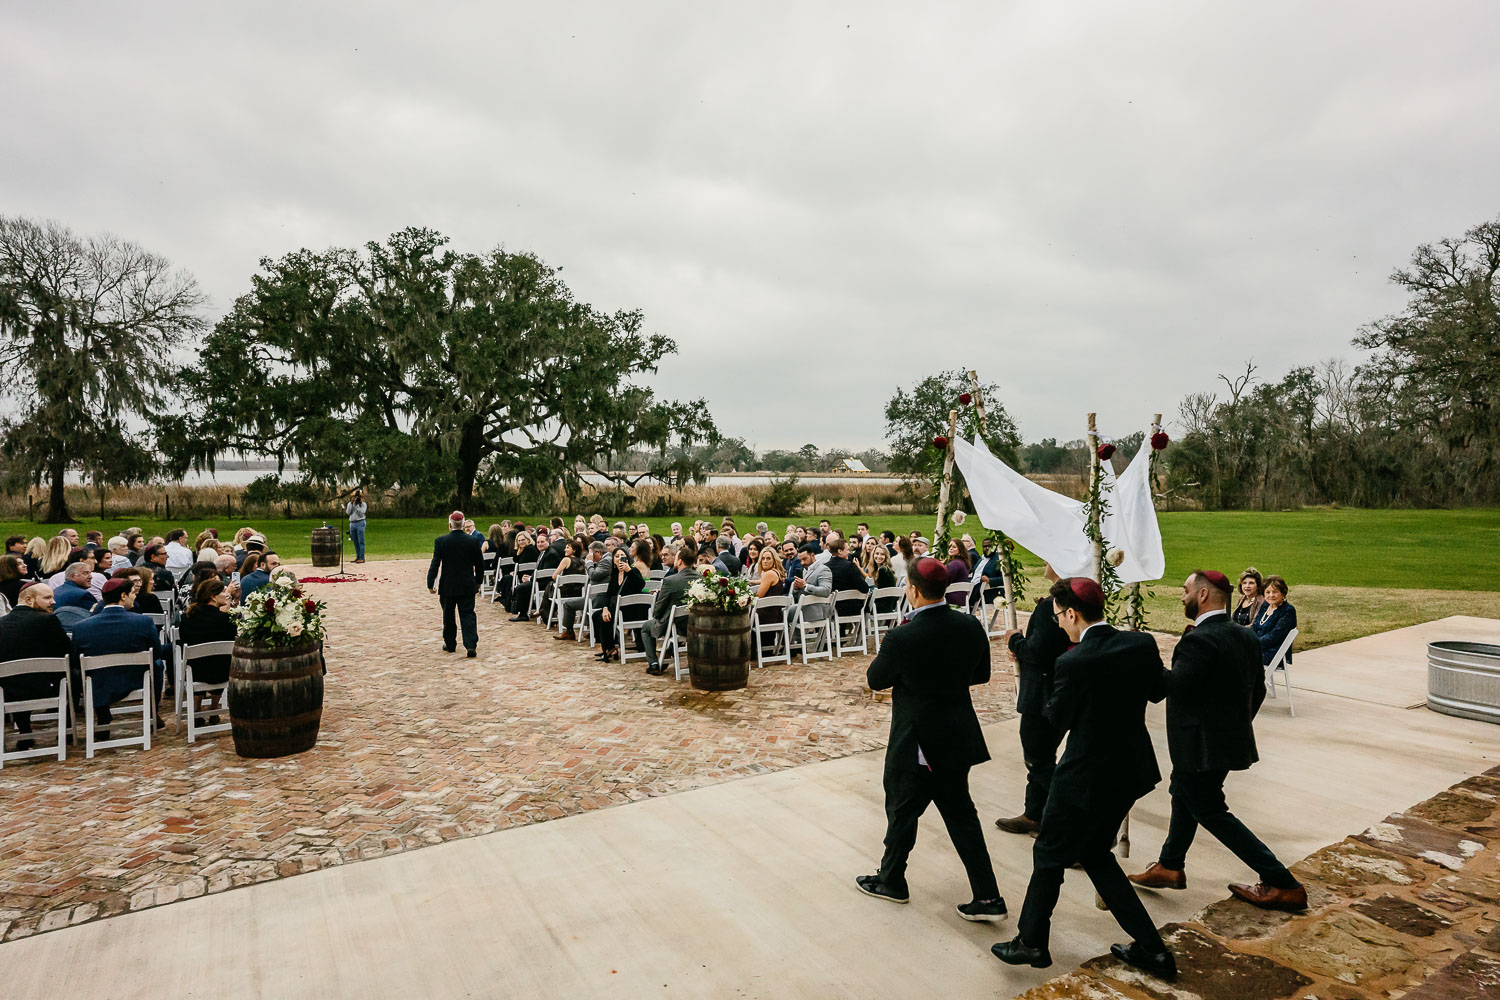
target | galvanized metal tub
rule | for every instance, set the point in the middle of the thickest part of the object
(1463, 679)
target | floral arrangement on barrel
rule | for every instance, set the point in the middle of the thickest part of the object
(280, 615)
(719, 592)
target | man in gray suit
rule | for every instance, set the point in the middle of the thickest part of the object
(667, 598)
(597, 569)
(816, 580)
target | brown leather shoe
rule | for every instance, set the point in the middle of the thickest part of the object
(1157, 877)
(1018, 824)
(1271, 898)
(567, 636)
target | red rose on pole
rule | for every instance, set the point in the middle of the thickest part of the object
(940, 442)
(1105, 451)
(965, 398)
(1159, 441)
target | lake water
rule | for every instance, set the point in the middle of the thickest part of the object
(241, 477)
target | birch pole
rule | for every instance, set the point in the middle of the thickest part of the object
(1098, 538)
(1133, 600)
(1006, 585)
(939, 534)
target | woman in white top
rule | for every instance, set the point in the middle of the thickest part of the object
(355, 511)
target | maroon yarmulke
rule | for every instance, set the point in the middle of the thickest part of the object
(115, 583)
(1216, 578)
(1086, 590)
(930, 569)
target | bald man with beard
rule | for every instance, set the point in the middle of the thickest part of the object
(30, 630)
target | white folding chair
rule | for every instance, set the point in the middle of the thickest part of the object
(884, 621)
(5, 608)
(627, 617)
(675, 641)
(593, 595)
(191, 687)
(777, 630)
(810, 632)
(1279, 663)
(487, 582)
(43, 709)
(538, 585)
(139, 700)
(506, 567)
(961, 589)
(657, 574)
(567, 586)
(854, 619)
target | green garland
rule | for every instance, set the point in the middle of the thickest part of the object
(1109, 580)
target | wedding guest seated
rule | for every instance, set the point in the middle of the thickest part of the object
(30, 631)
(846, 575)
(726, 561)
(1276, 619)
(1252, 597)
(884, 576)
(252, 576)
(155, 557)
(115, 630)
(12, 575)
(36, 550)
(528, 553)
(206, 620)
(958, 570)
(627, 578)
(146, 602)
(73, 592)
(772, 583)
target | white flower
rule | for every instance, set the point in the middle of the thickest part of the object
(1114, 556)
(294, 629)
(959, 517)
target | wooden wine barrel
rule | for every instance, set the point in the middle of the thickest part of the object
(327, 546)
(718, 648)
(275, 699)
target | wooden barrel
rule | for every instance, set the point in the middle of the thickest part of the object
(275, 699)
(718, 648)
(327, 546)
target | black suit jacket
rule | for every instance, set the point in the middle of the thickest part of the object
(847, 576)
(461, 559)
(929, 664)
(1214, 689)
(1099, 695)
(1037, 651)
(553, 555)
(26, 633)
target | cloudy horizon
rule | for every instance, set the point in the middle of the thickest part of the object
(1099, 206)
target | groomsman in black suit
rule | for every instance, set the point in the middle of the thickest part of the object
(1215, 687)
(929, 662)
(460, 557)
(1099, 697)
(1036, 654)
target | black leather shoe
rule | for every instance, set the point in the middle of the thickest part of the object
(518, 618)
(874, 885)
(655, 670)
(1018, 952)
(993, 910)
(450, 649)
(472, 653)
(1160, 964)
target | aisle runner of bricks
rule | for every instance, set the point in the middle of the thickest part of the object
(417, 747)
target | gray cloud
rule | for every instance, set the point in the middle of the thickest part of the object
(1099, 205)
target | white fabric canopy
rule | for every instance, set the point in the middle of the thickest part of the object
(1052, 525)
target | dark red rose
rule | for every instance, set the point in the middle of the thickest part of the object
(310, 606)
(1159, 441)
(296, 591)
(270, 604)
(1105, 451)
(965, 398)
(940, 442)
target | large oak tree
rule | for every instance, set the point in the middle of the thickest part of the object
(410, 364)
(88, 326)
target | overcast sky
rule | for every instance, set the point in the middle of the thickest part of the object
(1099, 206)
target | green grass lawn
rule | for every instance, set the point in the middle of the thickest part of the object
(1352, 572)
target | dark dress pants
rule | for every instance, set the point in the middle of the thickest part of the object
(908, 791)
(1039, 743)
(1198, 799)
(461, 605)
(1071, 835)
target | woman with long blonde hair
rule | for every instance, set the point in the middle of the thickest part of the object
(55, 556)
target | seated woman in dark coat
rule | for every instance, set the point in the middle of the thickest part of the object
(1276, 619)
(146, 603)
(628, 579)
(205, 620)
(527, 553)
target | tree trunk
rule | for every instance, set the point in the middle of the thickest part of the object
(57, 500)
(470, 448)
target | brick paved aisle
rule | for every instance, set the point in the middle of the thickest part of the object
(417, 747)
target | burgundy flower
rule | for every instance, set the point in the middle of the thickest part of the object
(1159, 440)
(270, 604)
(296, 591)
(1105, 451)
(965, 398)
(310, 606)
(940, 442)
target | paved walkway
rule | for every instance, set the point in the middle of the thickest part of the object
(744, 888)
(417, 748)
